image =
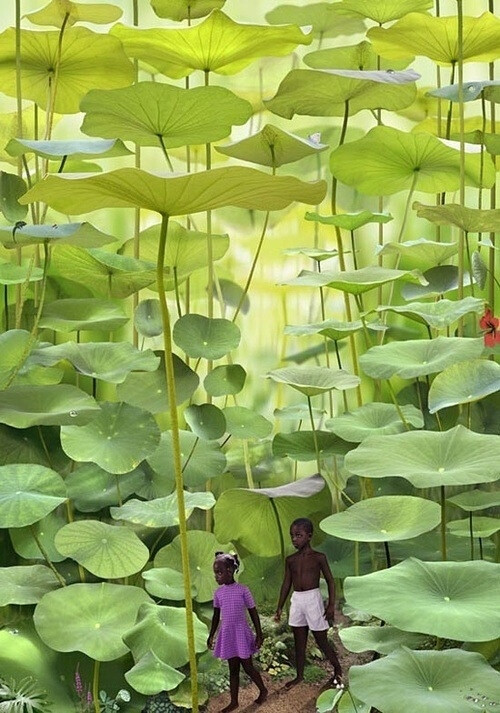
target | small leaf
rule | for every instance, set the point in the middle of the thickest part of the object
(350, 221)
(83, 235)
(464, 383)
(53, 405)
(147, 318)
(56, 13)
(438, 315)
(470, 91)
(315, 379)
(11, 188)
(28, 493)
(479, 269)
(356, 282)
(25, 584)
(151, 675)
(77, 149)
(206, 421)
(180, 10)
(71, 315)
(245, 423)
(200, 336)
(225, 380)
(373, 419)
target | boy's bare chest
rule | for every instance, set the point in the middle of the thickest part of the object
(305, 572)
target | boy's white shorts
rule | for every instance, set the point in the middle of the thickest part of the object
(307, 609)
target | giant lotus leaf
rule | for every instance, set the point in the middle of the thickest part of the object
(326, 19)
(179, 10)
(56, 13)
(382, 11)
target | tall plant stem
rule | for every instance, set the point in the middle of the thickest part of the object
(398, 407)
(19, 100)
(248, 467)
(46, 557)
(95, 686)
(461, 114)
(493, 196)
(137, 164)
(327, 353)
(387, 554)
(280, 531)
(165, 152)
(443, 524)
(254, 264)
(176, 452)
(471, 533)
(356, 558)
(315, 435)
(53, 82)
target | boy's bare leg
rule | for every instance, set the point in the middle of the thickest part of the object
(300, 639)
(234, 684)
(329, 652)
(252, 672)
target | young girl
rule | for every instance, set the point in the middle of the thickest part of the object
(235, 641)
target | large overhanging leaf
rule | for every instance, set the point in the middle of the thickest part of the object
(437, 315)
(260, 519)
(383, 519)
(161, 512)
(326, 19)
(217, 44)
(91, 618)
(356, 282)
(427, 459)
(382, 639)
(105, 550)
(382, 11)
(464, 383)
(175, 195)
(330, 328)
(150, 675)
(472, 220)
(185, 9)
(451, 681)
(361, 57)
(477, 526)
(388, 160)
(77, 149)
(472, 500)
(423, 251)
(373, 419)
(410, 36)
(202, 460)
(202, 548)
(91, 489)
(272, 146)
(117, 440)
(456, 600)
(72, 315)
(28, 493)
(26, 584)
(418, 357)
(83, 235)
(56, 13)
(52, 405)
(109, 361)
(325, 93)
(153, 114)
(88, 60)
(314, 379)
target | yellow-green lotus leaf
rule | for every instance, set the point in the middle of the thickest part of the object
(217, 44)
(437, 38)
(180, 194)
(472, 220)
(180, 10)
(88, 60)
(361, 56)
(327, 19)
(58, 12)
(382, 11)
(9, 130)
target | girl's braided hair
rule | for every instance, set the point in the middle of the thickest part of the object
(231, 560)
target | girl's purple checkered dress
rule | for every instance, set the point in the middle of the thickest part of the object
(235, 638)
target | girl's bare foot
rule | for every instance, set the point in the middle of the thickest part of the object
(261, 697)
(231, 707)
(293, 683)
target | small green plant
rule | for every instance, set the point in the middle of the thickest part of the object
(273, 659)
(161, 703)
(24, 696)
(109, 705)
(314, 674)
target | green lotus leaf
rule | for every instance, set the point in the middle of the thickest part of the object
(217, 44)
(15, 346)
(91, 489)
(373, 419)
(165, 583)
(24, 543)
(17, 274)
(246, 423)
(78, 149)
(472, 500)
(491, 142)
(384, 519)
(464, 383)
(28, 493)
(426, 459)
(153, 114)
(175, 195)
(311, 353)
(381, 11)
(150, 675)
(481, 526)
(202, 460)
(418, 357)
(70, 315)
(472, 220)
(382, 639)
(147, 318)
(410, 36)
(161, 512)
(206, 421)
(227, 379)
(109, 361)
(24, 446)
(162, 630)
(456, 600)
(326, 19)
(356, 282)
(12, 187)
(148, 391)
(327, 700)
(263, 576)
(326, 92)
(440, 279)
(451, 681)
(438, 315)
(259, 520)
(330, 328)
(341, 555)
(297, 412)
(91, 618)
(301, 445)
(185, 9)
(426, 252)
(316, 254)
(83, 235)
(105, 550)
(56, 13)
(361, 57)
(202, 548)
(428, 546)
(387, 161)
(117, 440)
(200, 336)
(350, 221)
(53, 405)
(272, 146)
(469, 92)
(26, 584)
(87, 60)
(314, 379)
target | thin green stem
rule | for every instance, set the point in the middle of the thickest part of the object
(252, 269)
(54, 82)
(6, 306)
(398, 407)
(387, 554)
(280, 531)
(248, 467)
(443, 524)
(137, 164)
(46, 557)
(461, 114)
(45, 449)
(356, 558)
(471, 533)
(95, 687)
(315, 436)
(165, 152)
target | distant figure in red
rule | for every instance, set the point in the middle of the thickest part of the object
(235, 641)
(307, 610)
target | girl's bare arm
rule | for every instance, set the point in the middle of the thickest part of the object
(213, 628)
(254, 616)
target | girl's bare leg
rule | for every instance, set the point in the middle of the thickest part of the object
(300, 638)
(252, 672)
(234, 684)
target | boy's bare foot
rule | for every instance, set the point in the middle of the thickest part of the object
(261, 697)
(293, 683)
(230, 707)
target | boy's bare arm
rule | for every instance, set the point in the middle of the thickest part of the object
(327, 574)
(285, 589)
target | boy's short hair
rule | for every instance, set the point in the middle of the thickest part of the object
(304, 523)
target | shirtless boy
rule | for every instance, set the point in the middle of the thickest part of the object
(307, 611)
